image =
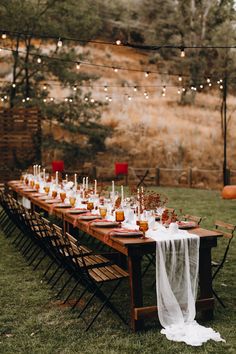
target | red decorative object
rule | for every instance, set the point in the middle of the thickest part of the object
(121, 168)
(58, 166)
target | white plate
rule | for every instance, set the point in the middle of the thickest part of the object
(62, 205)
(77, 211)
(105, 223)
(89, 217)
(184, 225)
(127, 234)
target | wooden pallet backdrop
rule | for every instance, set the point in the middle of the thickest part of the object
(20, 140)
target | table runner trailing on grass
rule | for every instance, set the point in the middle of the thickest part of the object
(177, 263)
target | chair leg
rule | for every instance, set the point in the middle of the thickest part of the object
(64, 286)
(71, 292)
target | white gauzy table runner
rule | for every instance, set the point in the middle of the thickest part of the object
(177, 264)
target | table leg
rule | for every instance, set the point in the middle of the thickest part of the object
(136, 292)
(205, 280)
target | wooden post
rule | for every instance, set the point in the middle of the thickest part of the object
(157, 176)
(190, 177)
(94, 172)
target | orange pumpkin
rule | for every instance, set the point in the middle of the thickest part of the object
(229, 192)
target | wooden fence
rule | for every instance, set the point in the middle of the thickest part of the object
(20, 140)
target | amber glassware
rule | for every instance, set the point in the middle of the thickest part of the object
(47, 189)
(103, 211)
(72, 201)
(32, 183)
(120, 216)
(143, 226)
(63, 196)
(37, 186)
(54, 194)
(90, 206)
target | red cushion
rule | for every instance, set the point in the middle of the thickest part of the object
(57, 166)
(121, 168)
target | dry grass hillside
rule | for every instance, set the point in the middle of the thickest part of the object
(159, 131)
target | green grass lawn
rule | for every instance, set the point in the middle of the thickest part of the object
(32, 322)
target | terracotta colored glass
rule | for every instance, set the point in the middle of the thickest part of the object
(90, 206)
(63, 196)
(47, 189)
(37, 186)
(54, 194)
(103, 211)
(143, 226)
(72, 201)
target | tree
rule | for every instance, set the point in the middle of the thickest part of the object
(35, 59)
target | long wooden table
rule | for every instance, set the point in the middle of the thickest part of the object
(134, 249)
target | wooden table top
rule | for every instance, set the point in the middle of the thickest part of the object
(120, 243)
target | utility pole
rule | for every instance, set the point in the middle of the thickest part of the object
(226, 179)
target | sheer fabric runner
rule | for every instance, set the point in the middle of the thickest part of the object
(177, 263)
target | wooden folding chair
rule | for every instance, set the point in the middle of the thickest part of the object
(196, 219)
(228, 234)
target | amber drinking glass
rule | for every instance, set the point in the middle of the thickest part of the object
(103, 211)
(90, 206)
(47, 189)
(63, 196)
(143, 226)
(72, 201)
(32, 183)
(37, 186)
(54, 194)
(120, 216)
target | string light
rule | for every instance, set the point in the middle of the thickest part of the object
(4, 35)
(201, 86)
(92, 100)
(75, 87)
(109, 99)
(70, 100)
(115, 70)
(179, 92)
(105, 88)
(78, 65)
(13, 85)
(45, 87)
(129, 98)
(208, 80)
(135, 88)
(182, 52)
(66, 99)
(183, 89)
(118, 42)
(86, 99)
(59, 43)
(147, 73)
(221, 87)
(180, 78)
(210, 84)
(52, 99)
(39, 60)
(23, 100)
(44, 100)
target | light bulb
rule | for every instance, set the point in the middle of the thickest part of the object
(86, 99)
(221, 87)
(180, 78)
(183, 89)
(5, 97)
(115, 69)
(44, 100)
(70, 100)
(66, 99)
(59, 43)
(179, 91)
(23, 100)
(39, 60)
(129, 98)
(110, 99)
(27, 98)
(13, 85)
(78, 65)
(201, 86)
(164, 88)
(147, 73)
(75, 87)
(105, 88)
(51, 99)
(45, 87)
(208, 80)
(182, 53)
(4, 36)
(107, 98)
(135, 88)
(118, 42)
(210, 84)
(92, 100)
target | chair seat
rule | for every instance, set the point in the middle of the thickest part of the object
(107, 273)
